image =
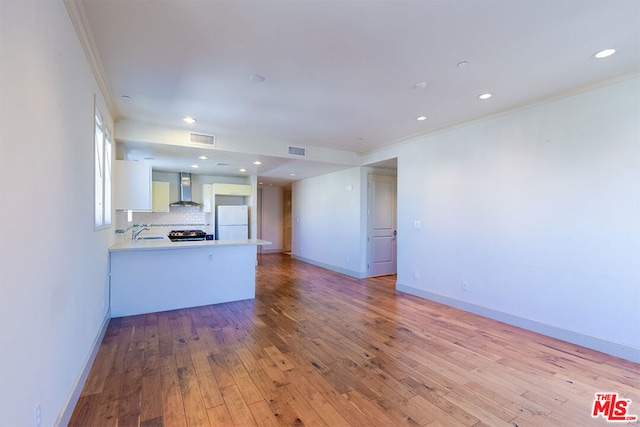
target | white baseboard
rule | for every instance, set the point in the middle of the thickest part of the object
(74, 396)
(352, 273)
(594, 343)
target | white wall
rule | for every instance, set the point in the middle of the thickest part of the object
(539, 211)
(327, 221)
(53, 265)
(272, 213)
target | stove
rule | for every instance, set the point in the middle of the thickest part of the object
(187, 235)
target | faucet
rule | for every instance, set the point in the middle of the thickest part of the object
(136, 233)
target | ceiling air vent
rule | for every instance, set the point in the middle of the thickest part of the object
(199, 138)
(297, 151)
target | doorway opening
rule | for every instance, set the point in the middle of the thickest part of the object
(286, 221)
(382, 220)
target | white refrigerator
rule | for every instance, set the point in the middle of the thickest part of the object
(232, 222)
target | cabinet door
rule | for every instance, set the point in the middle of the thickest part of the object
(160, 196)
(207, 198)
(132, 185)
(232, 189)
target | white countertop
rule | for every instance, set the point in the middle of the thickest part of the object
(142, 245)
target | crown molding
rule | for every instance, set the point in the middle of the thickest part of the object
(83, 31)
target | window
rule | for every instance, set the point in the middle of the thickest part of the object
(102, 178)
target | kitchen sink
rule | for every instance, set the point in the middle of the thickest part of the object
(151, 238)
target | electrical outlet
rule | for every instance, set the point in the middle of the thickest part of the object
(37, 415)
(465, 285)
(210, 257)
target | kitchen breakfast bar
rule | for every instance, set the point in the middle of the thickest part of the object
(157, 275)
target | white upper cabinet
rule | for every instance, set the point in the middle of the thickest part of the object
(132, 185)
(210, 191)
(207, 197)
(232, 190)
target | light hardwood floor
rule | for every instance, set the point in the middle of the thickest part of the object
(318, 348)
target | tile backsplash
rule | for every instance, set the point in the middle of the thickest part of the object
(161, 223)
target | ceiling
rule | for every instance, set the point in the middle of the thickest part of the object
(343, 75)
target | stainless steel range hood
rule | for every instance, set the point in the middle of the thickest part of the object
(185, 191)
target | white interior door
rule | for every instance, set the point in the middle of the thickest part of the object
(381, 234)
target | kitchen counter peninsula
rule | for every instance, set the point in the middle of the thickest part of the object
(157, 275)
(143, 244)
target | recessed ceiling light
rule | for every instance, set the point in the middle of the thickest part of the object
(485, 96)
(256, 78)
(195, 166)
(420, 85)
(603, 53)
(242, 170)
(189, 120)
(203, 157)
(462, 64)
(292, 174)
(421, 118)
(257, 162)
